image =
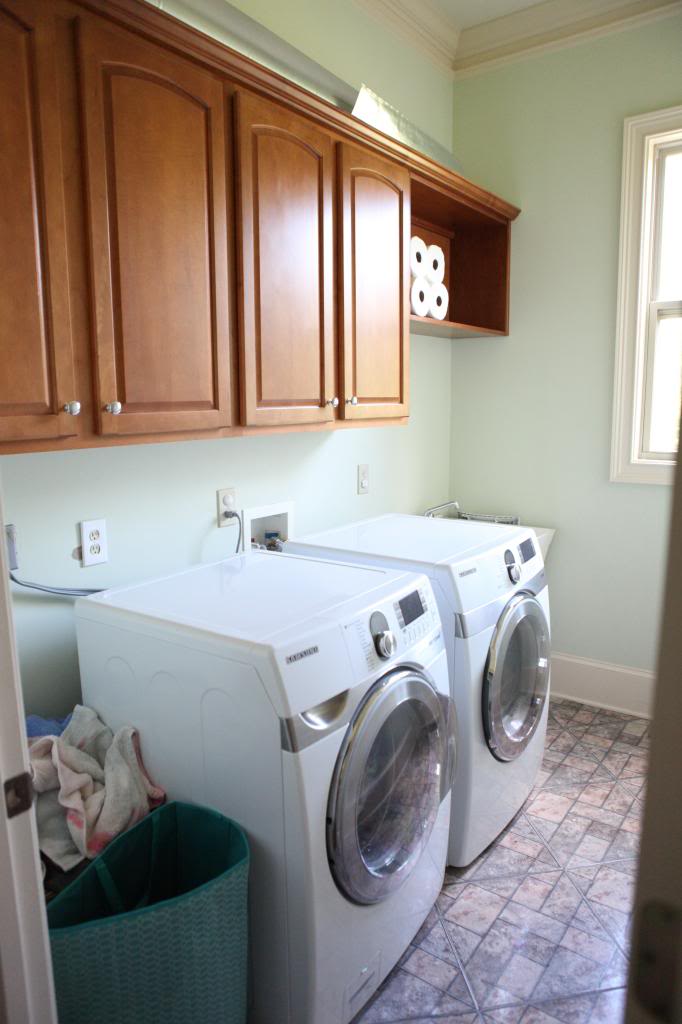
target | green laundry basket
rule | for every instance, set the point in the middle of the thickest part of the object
(154, 931)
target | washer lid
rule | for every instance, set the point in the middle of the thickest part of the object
(413, 539)
(252, 597)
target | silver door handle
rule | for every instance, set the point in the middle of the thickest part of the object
(114, 408)
(352, 401)
(334, 402)
(72, 408)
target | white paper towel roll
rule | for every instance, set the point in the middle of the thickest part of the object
(435, 264)
(438, 302)
(420, 294)
(417, 256)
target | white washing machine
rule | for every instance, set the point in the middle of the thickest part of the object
(285, 692)
(492, 593)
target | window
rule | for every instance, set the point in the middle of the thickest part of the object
(648, 383)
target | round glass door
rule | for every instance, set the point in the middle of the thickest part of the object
(516, 679)
(387, 786)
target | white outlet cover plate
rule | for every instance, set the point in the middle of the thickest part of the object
(363, 479)
(227, 502)
(95, 548)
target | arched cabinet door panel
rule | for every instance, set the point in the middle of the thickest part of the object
(374, 263)
(156, 191)
(36, 377)
(285, 243)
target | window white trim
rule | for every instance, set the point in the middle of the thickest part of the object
(634, 275)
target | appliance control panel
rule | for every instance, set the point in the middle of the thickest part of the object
(392, 628)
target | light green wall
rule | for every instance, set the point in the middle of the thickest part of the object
(353, 45)
(159, 503)
(532, 413)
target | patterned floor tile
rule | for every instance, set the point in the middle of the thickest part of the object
(610, 890)
(518, 850)
(405, 996)
(596, 1008)
(542, 941)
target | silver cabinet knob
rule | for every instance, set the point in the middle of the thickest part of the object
(114, 408)
(385, 643)
(72, 408)
(352, 401)
(334, 402)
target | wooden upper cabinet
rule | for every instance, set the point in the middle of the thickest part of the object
(374, 264)
(36, 375)
(156, 190)
(285, 241)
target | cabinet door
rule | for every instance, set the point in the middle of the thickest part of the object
(36, 375)
(156, 188)
(375, 312)
(285, 206)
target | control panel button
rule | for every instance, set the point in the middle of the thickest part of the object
(513, 569)
(385, 644)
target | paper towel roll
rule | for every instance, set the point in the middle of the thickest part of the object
(435, 264)
(417, 256)
(438, 302)
(420, 294)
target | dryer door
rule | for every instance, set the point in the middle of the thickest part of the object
(388, 784)
(516, 679)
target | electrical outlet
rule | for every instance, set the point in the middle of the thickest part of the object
(227, 502)
(95, 548)
(363, 479)
(12, 556)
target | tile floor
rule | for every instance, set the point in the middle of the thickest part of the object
(536, 930)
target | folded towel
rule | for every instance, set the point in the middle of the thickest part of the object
(91, 785)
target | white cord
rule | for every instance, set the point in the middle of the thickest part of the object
(59, 591)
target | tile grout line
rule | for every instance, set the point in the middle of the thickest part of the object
(456, 955)
(583, 898)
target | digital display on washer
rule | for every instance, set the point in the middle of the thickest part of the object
(411, 607)
(527, 550)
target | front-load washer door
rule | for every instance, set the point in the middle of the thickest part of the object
(387, 785)
(516, 679)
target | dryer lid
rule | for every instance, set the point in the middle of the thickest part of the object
(412, 539)
(253, 597)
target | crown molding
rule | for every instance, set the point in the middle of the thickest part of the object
(421, 24)
(543, 27)
(549, 26)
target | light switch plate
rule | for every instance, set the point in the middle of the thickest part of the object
(95, 548)
(363, 479)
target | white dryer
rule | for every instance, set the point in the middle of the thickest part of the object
(284, 692)
(492, 593)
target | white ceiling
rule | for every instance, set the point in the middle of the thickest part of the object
(465, 13)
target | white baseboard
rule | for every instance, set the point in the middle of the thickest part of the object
(602, 684)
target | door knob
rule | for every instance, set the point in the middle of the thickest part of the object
(72, 408)
(334, 402)
(352, 401)
(114, 408)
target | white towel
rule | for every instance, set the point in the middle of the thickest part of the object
(91, 785)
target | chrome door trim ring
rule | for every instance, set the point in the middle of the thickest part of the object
(355, 880)
(470, 623)
(503, 746)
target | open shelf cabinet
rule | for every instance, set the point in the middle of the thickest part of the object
(474, 232)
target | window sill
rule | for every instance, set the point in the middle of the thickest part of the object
(643, 473)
